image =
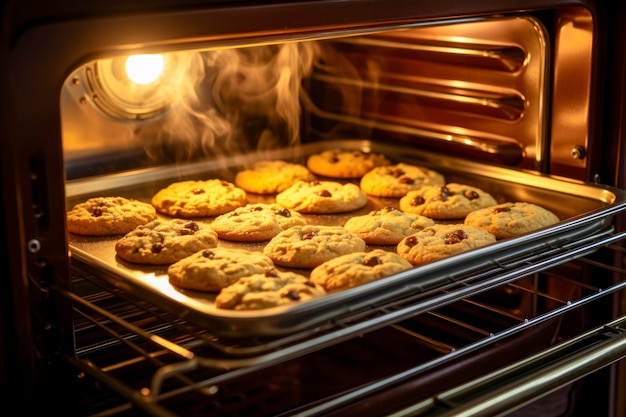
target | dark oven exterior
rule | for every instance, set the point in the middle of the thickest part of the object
(529, 95)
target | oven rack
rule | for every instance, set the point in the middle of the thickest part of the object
(530, 379)
(174, 348)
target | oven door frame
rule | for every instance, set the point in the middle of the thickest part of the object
(34, 246)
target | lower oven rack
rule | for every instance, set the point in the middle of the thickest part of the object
(174, 350)
(509, 388)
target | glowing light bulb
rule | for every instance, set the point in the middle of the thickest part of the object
(144, 69)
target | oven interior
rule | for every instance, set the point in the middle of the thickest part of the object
(493, 89)
(482, 88)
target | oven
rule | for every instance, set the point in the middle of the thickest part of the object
(524, 98)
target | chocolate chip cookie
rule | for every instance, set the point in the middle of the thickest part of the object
(511, 219)
(322, 197)
(187, 199)
(340, 163)
(387, 226)
(271, 177)
(163, 242)
(107, 216)
(442, 241)
(358, 268)
(311, 245)
(256, 222)
(397, 180)
(213, 269)
(445, 202)
(271, 289)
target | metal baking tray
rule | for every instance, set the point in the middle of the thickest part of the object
(584, 209)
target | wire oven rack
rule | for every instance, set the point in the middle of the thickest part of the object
(181, 358)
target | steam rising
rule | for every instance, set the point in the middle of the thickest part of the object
(237, 100)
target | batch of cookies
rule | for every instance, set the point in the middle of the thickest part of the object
(430, 220)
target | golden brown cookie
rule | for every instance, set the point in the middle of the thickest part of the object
(106, 216)
(387, 226)
(358, 268)
(213, 269)
(511, 219)
(271, 177)
(442, 241)
(163, 242)
(271, 289)
(311, 245)
(256, 222)
(188, 199)
(444, 202)
(322, 197)
(344, 163)
(397, 180)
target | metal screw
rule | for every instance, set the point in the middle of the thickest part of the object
(578, 152)
(34, 246)
(596, 178)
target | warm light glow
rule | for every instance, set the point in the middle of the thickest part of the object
(144, 69)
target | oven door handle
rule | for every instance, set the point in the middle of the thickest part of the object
(512, 387)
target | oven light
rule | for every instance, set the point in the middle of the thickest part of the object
(135, 87)
(145, 69)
